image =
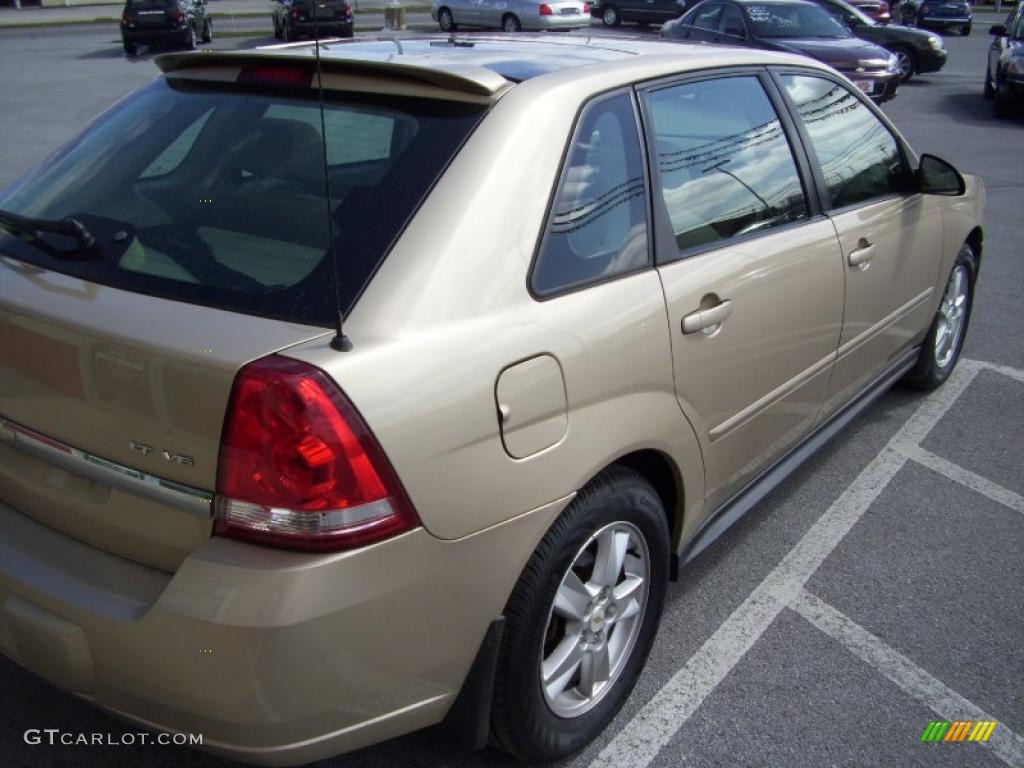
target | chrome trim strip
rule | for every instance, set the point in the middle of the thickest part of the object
(884, 323)
(181, 497)
(766, 401)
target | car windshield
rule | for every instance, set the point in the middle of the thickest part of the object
(794, 20)
(215, 194)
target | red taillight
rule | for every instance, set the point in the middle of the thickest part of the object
(298, 466)
(180, 17)
(586, 8)
(124, 17)
(295, 13)
(545, 10)
(291, 75)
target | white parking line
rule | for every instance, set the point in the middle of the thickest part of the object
(933, 693)
(639, 742)
(955, 472)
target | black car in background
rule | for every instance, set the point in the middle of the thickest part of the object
(179, 23)
(794, 26)
(917, 51)
(1004, 73)
(614, 12)
(295, 18)
(937, 14)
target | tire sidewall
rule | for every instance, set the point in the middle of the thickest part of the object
(928, 374)
(625, 499)
(610, 16)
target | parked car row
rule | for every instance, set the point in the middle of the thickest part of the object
(794, 26)
(1004, 72)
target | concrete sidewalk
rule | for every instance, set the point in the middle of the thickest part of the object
(30, 16)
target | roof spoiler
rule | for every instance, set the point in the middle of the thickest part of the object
(468, 79)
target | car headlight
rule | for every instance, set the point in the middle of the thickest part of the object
(893, 65)
(935, 42)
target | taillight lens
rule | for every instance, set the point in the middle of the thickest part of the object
(180, 17)
(545, 9)
(295, 13)
(298, 466)
(586, 8)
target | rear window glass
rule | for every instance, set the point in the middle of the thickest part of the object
(137, 5)
(216, 195)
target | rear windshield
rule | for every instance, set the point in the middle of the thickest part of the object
(216, 195)
(797, 20)
(139, 5)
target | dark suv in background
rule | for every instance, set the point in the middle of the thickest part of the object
(295, 18)
(164, 22)
(937, 14)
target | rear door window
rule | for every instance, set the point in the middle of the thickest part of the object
(724, 164)
(597, 227)
(216, 195)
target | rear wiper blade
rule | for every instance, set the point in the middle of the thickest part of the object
(67, 227)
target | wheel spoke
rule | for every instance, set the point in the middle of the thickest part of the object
(572, 598)
(628, 589)
(611, 553)
(558, 668)
(596, 669)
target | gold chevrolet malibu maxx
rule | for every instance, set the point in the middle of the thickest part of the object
(598, 296)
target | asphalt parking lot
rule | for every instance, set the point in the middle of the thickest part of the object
(878, 589)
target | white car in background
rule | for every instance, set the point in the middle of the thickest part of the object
(510, 15)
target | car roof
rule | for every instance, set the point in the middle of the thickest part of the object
(481, 66)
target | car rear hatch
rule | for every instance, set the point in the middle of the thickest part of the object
(204, 193)
(324, 10)
(111, 407)
(152, 14)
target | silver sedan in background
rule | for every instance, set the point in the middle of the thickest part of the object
(511, 15)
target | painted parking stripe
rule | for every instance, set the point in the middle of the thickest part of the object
(639, 742)
(955, 472)
(933, 693)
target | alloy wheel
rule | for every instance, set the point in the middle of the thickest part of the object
(952, 314)
(595, 620)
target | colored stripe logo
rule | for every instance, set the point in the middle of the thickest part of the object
(958, 730)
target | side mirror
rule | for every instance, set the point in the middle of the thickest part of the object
(937, 177)
(997, 29)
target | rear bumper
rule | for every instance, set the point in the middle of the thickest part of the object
(575, 21)
(326, 28)
(161, 35)
(943, 21)
(275, 658)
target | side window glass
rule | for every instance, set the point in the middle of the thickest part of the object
(724, 164)
(859, 158)
(707, 18)
(176, 151)
(732, 22)
(598, 222)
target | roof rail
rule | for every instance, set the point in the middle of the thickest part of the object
(453, 76)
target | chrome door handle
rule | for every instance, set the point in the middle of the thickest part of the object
(703, 319)
(861, 255)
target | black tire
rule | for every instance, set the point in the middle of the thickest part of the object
(930, 372)
(130, 49)
(989, 91)
(190, 38)
(610, 16)
(965, 30)
(445, 20)
(1002, 105)
(907, 62)
(522, 722)
(208, 31)
(510, 23)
